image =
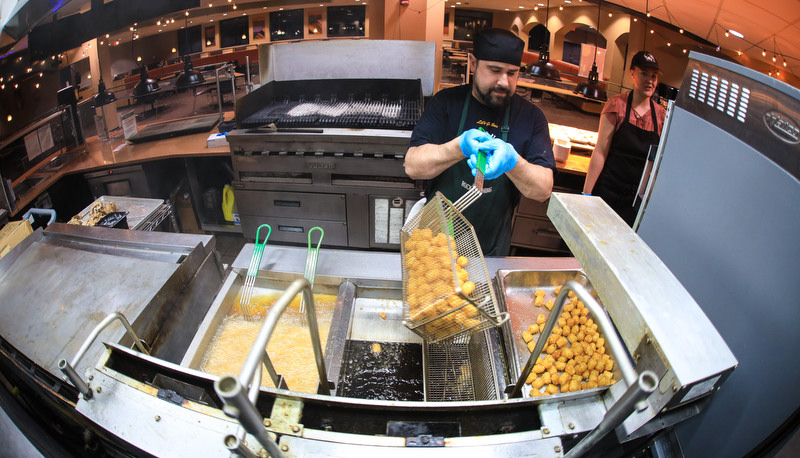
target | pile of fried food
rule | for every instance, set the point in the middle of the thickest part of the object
(98, 211)
(431, 286)
(575, 355)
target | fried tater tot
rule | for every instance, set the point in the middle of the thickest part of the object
(526, 336)
(540, 319)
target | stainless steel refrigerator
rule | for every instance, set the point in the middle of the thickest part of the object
(723, 213)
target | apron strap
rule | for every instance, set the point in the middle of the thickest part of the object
(652, 111)
(464, 113)
(653, 115)
(503, 130)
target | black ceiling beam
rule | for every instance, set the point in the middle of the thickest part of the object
(72, 31)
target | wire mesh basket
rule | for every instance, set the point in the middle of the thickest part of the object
(447, 291)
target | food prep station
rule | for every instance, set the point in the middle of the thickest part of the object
(130, 315)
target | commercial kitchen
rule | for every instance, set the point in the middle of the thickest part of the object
(209, 245)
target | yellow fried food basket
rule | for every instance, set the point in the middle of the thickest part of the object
(447, 291)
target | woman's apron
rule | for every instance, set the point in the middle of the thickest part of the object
(618, 182)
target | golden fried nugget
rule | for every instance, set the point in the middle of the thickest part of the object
(527, 337)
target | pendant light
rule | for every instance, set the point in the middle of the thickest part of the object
(190, 77)
(543, 67)
(145, 86)
(590, 88)
(103, 96)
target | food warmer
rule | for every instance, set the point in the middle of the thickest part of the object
(105, 332)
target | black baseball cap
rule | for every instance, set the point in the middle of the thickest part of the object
(644, 60)
(498, 45)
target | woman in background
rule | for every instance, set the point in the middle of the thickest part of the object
(629, 124)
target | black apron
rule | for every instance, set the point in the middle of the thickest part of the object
(488, 215)
(618, 182)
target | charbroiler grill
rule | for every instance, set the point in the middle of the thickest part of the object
(345, 103)
(326, 153)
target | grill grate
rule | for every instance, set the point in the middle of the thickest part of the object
(334, 113)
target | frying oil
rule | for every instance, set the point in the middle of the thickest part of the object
(289, 347)
(382, 370)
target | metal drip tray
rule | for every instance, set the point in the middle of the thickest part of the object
(27, 184)
(58, 162)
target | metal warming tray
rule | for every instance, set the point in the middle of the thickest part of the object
(139, 209)
(517, 288)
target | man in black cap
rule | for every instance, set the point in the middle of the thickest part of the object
(486, 115)
(630, 125)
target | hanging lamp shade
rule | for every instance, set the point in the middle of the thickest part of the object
(543, 68)
(103, 96)
(591, 87)
(145, 85)
(189, 77)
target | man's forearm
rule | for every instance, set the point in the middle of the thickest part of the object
(533, 181)
(429, 160)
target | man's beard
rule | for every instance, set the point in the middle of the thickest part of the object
(494, 100)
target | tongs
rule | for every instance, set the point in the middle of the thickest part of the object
(311, 268)
(252, 273)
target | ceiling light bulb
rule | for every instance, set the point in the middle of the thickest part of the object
(9, 118)
(680, 30)
(234, 6)
(174, 50)
(784, 62)
(648, 14)
(669, 44)
(635, 20)
(652, 31)
(187, 12)
(739, 53)
(774, 59)
(764, 52)
(37, 85)
(610, 14)
(727, 34)
(561, 8)
(735, 33)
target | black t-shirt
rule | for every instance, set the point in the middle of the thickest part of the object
(491, 214)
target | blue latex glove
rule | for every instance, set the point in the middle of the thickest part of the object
(470, 140)
(501, 157)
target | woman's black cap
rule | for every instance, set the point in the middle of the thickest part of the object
(498, 45)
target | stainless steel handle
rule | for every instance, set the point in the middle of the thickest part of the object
(232, 389)
(69, 368)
